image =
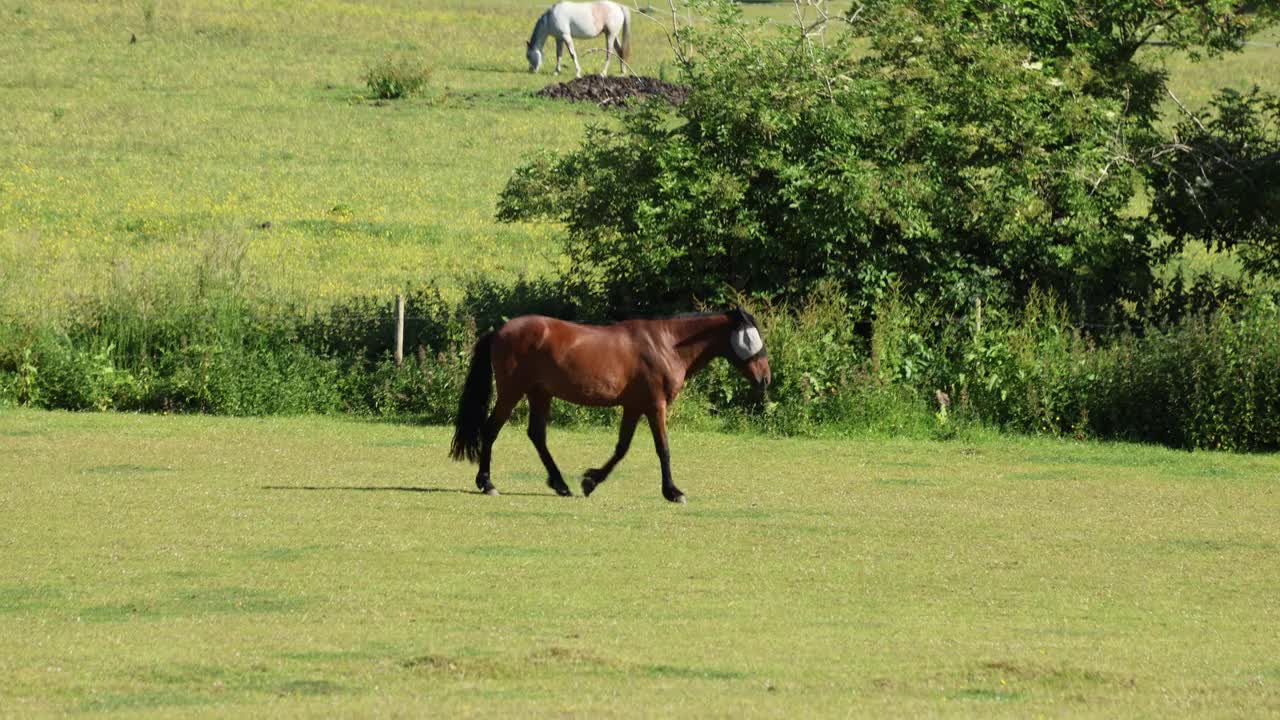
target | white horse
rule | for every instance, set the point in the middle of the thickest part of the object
(569, 20)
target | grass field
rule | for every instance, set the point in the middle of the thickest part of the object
(238, 134)
(195, 566)
(234, 137)
(304, 566)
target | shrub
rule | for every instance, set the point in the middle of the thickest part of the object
(1209, 379)
(823, 379)
(1219, 183)
(396, 77)
(56, 373)
(427, 386)
(1030, 372)
(1207, 382)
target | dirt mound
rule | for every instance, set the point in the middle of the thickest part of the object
(615, 90)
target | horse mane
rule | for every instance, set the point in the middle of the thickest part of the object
(692, 315)
(542, 19)
(737, 312)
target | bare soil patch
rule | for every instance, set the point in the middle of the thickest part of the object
(615, 90)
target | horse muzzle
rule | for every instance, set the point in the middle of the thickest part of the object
(761, 390)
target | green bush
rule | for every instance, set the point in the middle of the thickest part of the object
(58, 374)
(397, 77)
(1209, 380)
(427, 386)
(823, 378)
(1030, 373)
(1220, 185)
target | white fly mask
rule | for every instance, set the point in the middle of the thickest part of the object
(746, 342)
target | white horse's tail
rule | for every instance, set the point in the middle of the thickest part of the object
(626, 33)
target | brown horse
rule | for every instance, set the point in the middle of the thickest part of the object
(638, 364)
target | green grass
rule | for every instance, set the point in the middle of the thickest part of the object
(199, 566)
(229, 124)
(1195, 82)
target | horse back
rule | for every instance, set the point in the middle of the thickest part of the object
(541, 335)
(587, 19)
(586, 364)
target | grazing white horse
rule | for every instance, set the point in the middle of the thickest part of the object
(569, 20)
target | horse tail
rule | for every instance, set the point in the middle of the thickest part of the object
(473, 407)
(626, 33)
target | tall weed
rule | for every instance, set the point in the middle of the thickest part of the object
(824, 380)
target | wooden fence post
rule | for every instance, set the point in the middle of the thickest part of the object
(400, 329)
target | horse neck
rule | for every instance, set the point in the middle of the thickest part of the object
(699, 340)
(541, 29)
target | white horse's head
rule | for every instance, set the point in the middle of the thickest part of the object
(534, 54)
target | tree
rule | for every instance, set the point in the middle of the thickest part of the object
(1218, 179)
(1107, 35)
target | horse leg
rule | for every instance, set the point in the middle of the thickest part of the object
(609, 40)
(595, 476)
(539, 410)
(501, 413)
(658, 424)
(568, 41)
(559, 53)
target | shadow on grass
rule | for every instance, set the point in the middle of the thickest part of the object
(392, 488)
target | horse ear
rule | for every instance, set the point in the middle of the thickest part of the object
(743, 317)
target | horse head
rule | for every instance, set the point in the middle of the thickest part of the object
(747, 351)
(534, 56)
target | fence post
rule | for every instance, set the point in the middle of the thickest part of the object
(399, 329)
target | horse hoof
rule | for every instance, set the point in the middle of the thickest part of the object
(561, 489)
(677, 498)
(588, 485)
(491, 491)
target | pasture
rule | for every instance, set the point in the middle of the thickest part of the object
(307, 566)
(292, 567)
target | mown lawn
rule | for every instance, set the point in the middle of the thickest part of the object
(289, 567)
